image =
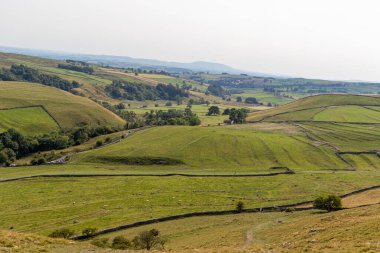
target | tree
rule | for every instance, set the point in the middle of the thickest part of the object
(213, 110)
(226, 111)
(149, 239)
(239, 99)
(237, 116)
(240, 206)
(251, 100)
(3, 158)
(329, 203)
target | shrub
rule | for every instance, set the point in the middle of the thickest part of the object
(101, 242)
(329, 203)
(89, 231)
(290, 209)
(168, 103)
(62, 233)
(240, 206)
(149, 240)
(99, 143)
(120, 242)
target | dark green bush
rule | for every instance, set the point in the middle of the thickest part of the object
(62, 233)
(120, 242)
(329, 203)
(99, 143)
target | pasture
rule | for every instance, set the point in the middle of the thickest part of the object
(105, 202)
(330, 107)
(238, 149)
(28, 121)
(69, 110)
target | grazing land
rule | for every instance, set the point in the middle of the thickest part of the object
(29, 120)
(69, 110)
(332, 107)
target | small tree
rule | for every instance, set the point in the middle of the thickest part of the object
(213, 110)
(148, 240)
(238, 116)
(240, 206)
(226, 111)
(239, 99)
(328, 203)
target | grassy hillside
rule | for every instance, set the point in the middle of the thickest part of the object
(236, 148)
(354, 230)
(69, 110)
(333, 107)
(29, 121)
(42, 205)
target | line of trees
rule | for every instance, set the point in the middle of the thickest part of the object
(84, 69)
(137, 91)
(24, 73)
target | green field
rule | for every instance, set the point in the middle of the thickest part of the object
(200, 110)
(29, 121)
(69, 110)
(263, 97)
(339, 108)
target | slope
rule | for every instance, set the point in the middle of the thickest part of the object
(67, 109)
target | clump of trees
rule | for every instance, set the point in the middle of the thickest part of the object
(79, 66)
(251, 100)
(329, 203)
(213, 110)
(14, 145)
(216, 90)
(137, 91)
(148, 240)
(24, 73)
(236, 116)
(172, 117)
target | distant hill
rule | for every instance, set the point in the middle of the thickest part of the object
(126, 62)
(328, 107)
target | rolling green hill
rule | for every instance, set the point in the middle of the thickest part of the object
(235, 148)
(69, 110)
(332, 107)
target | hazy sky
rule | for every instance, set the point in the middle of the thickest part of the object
(331, 39)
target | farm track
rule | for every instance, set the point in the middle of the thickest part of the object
(299, 206)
